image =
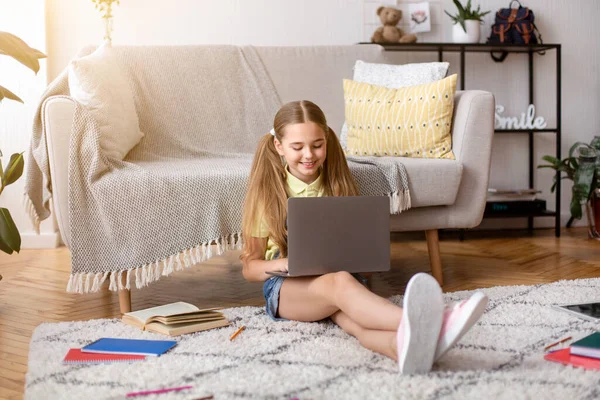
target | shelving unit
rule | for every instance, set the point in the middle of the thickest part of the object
(529, 50)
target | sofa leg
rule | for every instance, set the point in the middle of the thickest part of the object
(124, 298)
(433, 245)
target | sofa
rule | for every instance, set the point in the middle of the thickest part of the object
(445, 194)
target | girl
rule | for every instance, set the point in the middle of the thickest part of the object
(303, 157)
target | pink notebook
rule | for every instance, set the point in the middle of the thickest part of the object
(564, 356)
(75, 356)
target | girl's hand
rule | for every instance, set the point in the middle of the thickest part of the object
(280, 265)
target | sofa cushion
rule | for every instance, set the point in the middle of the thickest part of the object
(412, 122)
(395, 76)
(97, 82)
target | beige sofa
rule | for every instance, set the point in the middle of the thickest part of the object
(444, 193)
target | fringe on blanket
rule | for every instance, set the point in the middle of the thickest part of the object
(399, 201)
(33, 215)
(92, 282)
(152, 272)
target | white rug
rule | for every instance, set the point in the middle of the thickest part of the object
(501, 357)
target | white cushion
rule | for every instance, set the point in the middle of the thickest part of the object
(394, 77)
(97, 83)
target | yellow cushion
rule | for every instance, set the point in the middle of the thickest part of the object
(409, 122)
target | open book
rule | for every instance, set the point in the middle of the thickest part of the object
(175, 319)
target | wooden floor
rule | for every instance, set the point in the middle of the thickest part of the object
(32, 290)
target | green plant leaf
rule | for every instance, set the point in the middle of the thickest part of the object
(8, 231)
(595, 143)
(576, 211)
(552, 160)
(572, 163)
(36, 52)
(459, 7)
(16, 48)
(14, 169)
(575, 146)
(583, 179)
(453, 18)
(4, 247)
(5, 93)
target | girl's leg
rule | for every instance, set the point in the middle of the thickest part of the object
(312, 299)
(382, 342)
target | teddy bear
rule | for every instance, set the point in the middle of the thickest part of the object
(389, 32)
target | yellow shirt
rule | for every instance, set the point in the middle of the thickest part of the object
(295, 188)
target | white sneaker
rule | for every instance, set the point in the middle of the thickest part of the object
(458, 320)
(420, 326)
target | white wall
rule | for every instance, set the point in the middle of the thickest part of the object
(72, 24)
(25, 19)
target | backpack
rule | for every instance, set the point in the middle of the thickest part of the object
(514, 26)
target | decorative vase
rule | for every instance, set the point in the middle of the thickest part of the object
(470, 36)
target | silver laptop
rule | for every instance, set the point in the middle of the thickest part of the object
(330, 234)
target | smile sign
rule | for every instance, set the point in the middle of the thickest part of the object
(527, 120)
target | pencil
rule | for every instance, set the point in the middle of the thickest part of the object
(146, 392)
(237, 332)
(557, 343)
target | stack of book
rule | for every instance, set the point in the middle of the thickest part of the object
(520, 201)
(584, 353)
(175, 319)
(111, 350)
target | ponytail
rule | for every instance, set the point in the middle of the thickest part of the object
(266, 198)
(336, 175)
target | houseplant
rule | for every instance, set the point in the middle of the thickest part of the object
(582, 166)
(466, 23)
(12, 46)
(105, 7)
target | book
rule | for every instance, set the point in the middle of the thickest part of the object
(129, 346)
(514, 191)
(515, 207)
(511, 197)
(76, 356)
(589, 346)
(589, 311)
(564, 356)
(175, 319)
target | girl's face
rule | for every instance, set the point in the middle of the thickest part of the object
(304, 148)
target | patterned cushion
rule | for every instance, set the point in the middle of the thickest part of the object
(408, 122)
(394, 77)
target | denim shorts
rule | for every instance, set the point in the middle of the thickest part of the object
(271, 290)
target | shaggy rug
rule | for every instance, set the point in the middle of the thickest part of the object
(501, 357)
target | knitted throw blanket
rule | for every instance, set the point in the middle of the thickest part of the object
(181, 189)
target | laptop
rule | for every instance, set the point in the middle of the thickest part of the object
(330, 234)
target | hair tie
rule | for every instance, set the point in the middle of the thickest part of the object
(272, 132)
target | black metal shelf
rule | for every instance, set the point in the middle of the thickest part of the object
(525, 130)
(546, 213)
(529, 50)
(468, 47)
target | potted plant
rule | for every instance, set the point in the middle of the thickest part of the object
(466, 23)
(105, 7)
(582, 166)
(12, 46)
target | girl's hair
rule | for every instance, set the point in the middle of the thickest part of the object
(266, 198)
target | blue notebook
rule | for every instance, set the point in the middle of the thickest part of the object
(129, 346)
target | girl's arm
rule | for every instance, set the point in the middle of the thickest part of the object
(255, 266)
